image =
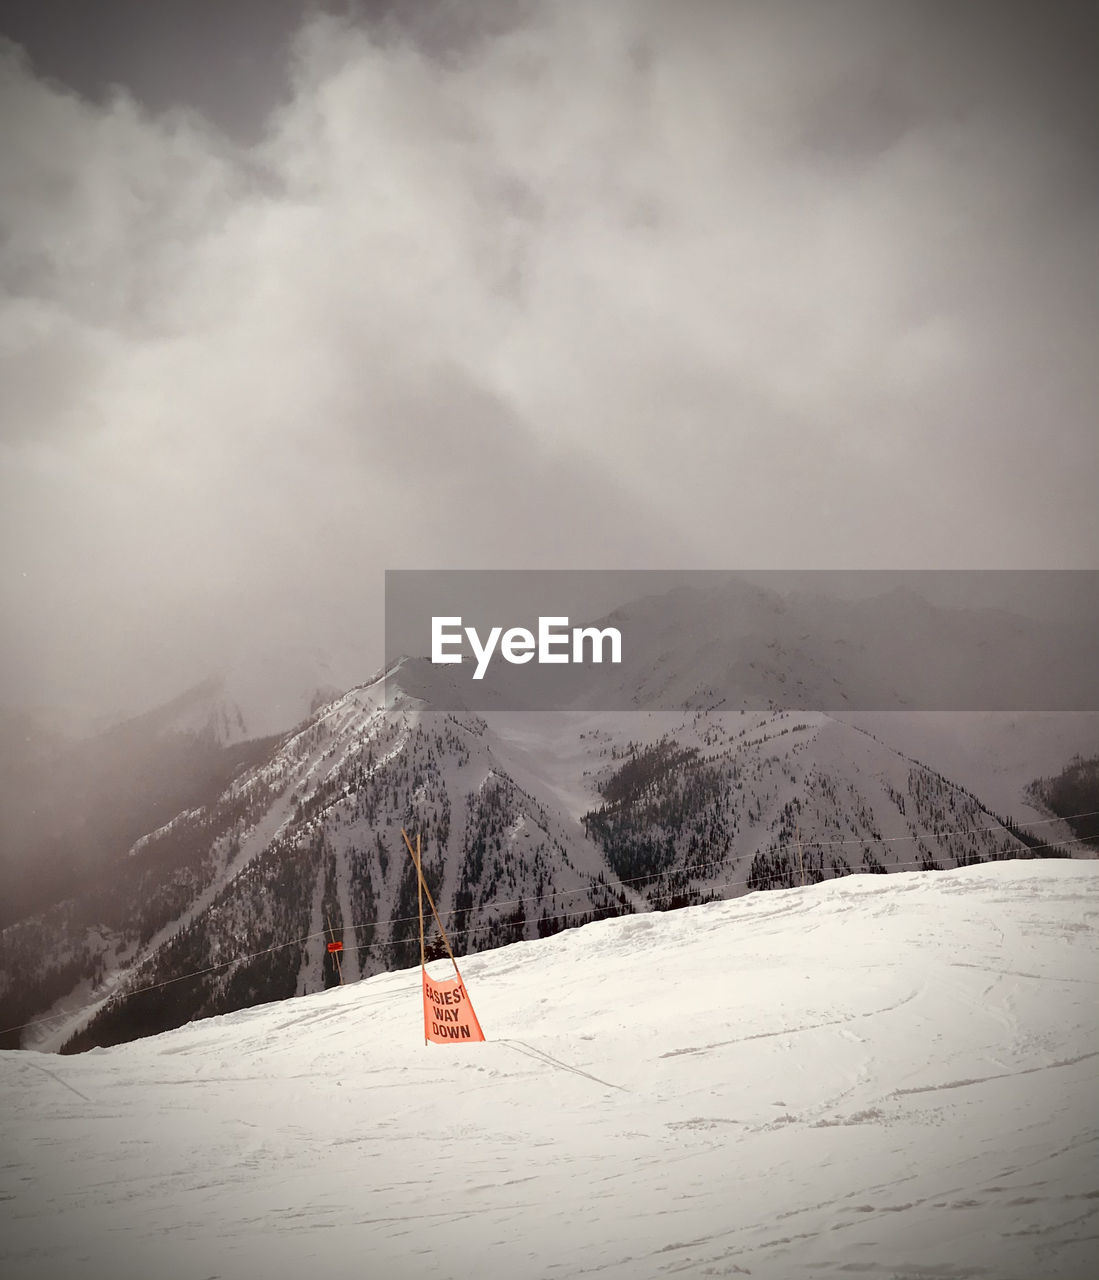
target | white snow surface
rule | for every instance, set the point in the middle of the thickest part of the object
(883, 1076)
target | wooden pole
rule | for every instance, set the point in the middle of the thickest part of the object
(336, 954)
(419, 895)
(434, 910)
(420, 901)
(801, 862)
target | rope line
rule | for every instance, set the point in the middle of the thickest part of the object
(807, 843)
(651, 877)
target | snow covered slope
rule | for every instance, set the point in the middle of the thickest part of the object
(890, 1077)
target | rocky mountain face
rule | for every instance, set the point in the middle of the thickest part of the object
(530, 823)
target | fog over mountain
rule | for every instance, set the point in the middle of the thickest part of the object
(318, 290)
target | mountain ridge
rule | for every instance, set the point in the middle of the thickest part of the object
(305, 846)
(531, 821)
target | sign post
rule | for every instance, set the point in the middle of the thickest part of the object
(448, 1010)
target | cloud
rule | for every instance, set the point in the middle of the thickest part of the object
(608, 285)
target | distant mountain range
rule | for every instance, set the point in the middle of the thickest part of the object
(174, 867)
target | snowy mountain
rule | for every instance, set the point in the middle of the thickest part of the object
(305, 842)
(890, 1077)
(178, 866)
(531, 823)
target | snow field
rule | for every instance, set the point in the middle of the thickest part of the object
(888, 1076)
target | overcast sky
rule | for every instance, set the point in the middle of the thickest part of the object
(291, 297)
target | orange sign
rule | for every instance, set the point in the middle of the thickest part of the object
(335, 946)
(448, 1012)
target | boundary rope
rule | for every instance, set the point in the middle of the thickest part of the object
(122, 993)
